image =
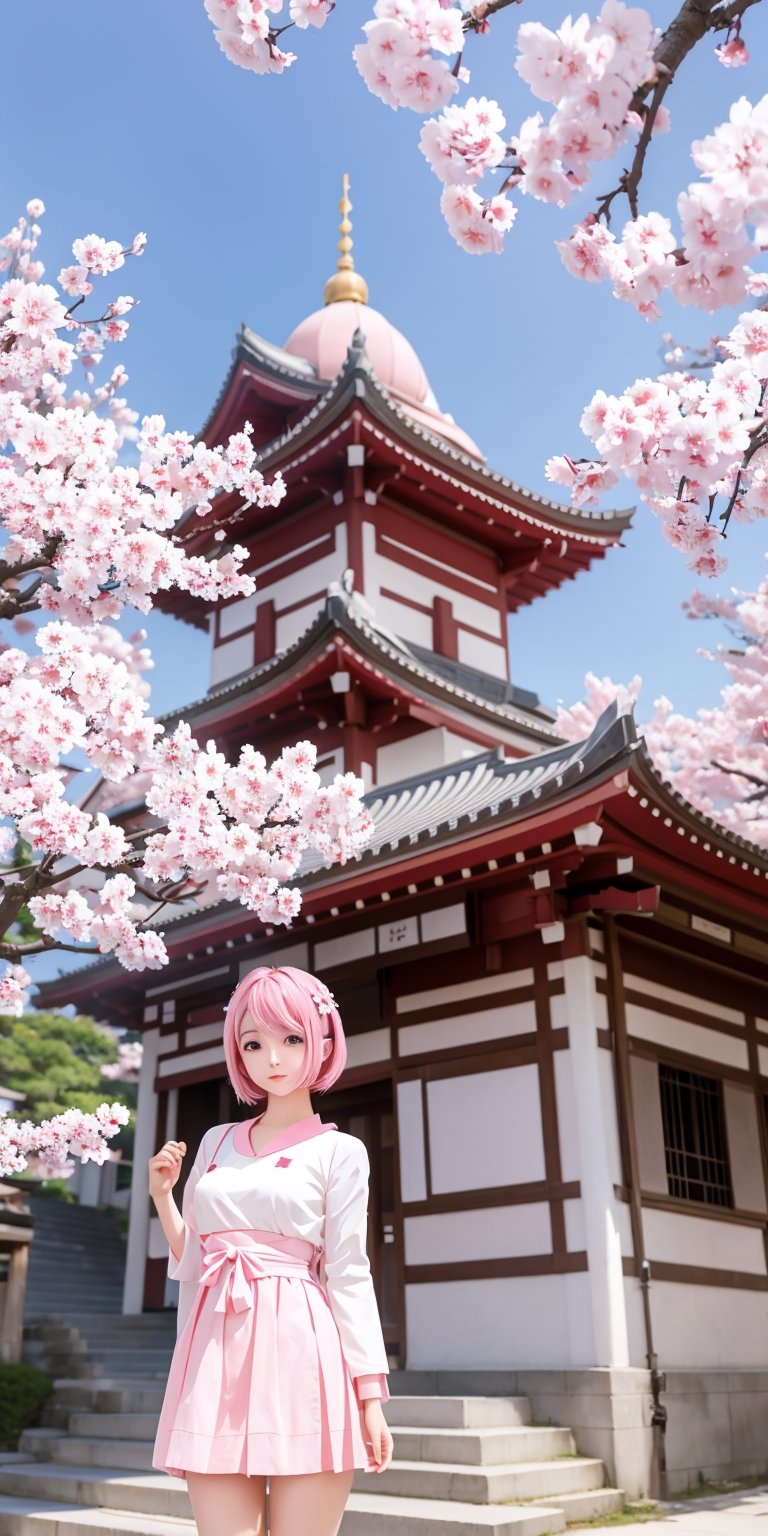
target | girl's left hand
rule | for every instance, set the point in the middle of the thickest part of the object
(378, 1435)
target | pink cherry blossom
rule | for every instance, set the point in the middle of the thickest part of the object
(732, 54)
(465, 141)
(108, 534)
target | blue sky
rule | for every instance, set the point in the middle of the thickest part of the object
(123, 115)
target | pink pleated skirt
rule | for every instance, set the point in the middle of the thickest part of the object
(258, 1383)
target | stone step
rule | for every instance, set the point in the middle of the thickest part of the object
(117, 1486)
(33, 1348)
(113, 1426)
(101, 1444)
(593, 1504)
(374, 1514)
(488, 1485)
(136, 1360)
(33, 1517)
(106, 1487)
(79, 1319)
(481, 1447)
(109, 1395)
(48, 1289)
(365, 1515)
(76, 1451)
(457, 1412)
(101, 1328)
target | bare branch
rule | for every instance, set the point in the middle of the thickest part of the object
(692, 22)
(475, 18)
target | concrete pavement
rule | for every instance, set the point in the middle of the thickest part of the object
(734, 1514)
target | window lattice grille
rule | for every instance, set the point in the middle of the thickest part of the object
(694, 1136)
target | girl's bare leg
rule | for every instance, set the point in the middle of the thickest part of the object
(228, 1504)
(310, 1503)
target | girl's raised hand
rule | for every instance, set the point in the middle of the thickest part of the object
(165, 1167)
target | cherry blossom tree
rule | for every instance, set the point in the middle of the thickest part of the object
(694, 441)
(86, 532)
(719, 759)
(695, 451)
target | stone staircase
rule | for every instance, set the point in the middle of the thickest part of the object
(77, 1251)
(462, 1465)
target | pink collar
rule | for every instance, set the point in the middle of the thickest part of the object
(302, 1130)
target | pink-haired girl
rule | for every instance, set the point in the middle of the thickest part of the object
(280, 1367)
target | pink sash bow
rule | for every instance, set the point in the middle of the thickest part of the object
(244, 1256)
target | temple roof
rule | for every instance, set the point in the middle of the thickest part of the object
(458, 689)
(464, 811)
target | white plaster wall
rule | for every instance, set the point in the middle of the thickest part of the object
(238, 615)
(596, 1152)
(458, 991)
(395, 546)
(704, 1326)
(203, 1034)
(373, 1046)
(380, 572)
(742, 1108)
(567, 1116)
(232, 657)
(334, 764)
(462, 1028)
(495, 1232)
(559, 1011)
(290, 626)
(444, 922)
(410, 1131)
(351, 946)
(575, 1229)
(674, 1238)
(527, 1321)
(683, 999)
(191, 1060)
(315, 576)
(485, 1129)
(610, 1121)
(679, 1035)
(409, 623)
(417, 754)
(483, 654)
(288, 954)
(144, 1147)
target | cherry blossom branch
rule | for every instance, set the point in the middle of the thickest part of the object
(743, 773)
(16, 953)
(476, 18)
(694, 19)
(630, 180)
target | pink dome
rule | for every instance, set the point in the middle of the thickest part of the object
(324, 339)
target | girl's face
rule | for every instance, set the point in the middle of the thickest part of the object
(274, 1060)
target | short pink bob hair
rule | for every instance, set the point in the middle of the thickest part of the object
(277, 997)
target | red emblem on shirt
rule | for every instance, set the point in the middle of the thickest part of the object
(283, 1162)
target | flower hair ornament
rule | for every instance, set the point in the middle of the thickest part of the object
(323, 1000)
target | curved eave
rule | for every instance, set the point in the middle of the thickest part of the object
(357, 380)
(425, 821)
(282, 674)
(257, 362)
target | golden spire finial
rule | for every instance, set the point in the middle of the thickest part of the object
(346, 283)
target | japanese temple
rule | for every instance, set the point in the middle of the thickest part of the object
(551, 968)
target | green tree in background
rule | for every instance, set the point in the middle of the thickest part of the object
(57, 1062)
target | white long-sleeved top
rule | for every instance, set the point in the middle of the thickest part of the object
(309, 1181)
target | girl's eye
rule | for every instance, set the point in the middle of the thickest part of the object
(289, 1040)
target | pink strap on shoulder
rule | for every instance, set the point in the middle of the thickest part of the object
(223, 1138)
